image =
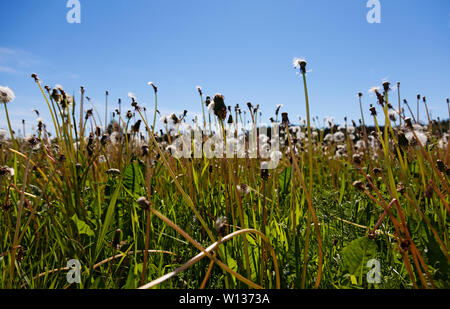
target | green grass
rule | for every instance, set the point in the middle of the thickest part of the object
(300, 227)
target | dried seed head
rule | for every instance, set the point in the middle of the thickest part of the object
(265, 174)
(441, 166)
(300, 63)
(230, 119)
(143, 203)
(145, 150)
(154, 86)
(405, 244)
(373, 111)
(359, 185)
(376, 171)
(135, 128)
(380, 97)
(32, 141)
(408, 122)
(220, 109)
(104, 139)
(386, 86)
(35, 77)
(221, 225)
(113, 171)
(129, 114)
(284, 118)
(357, 159)
(207, 101)
(6, 171)
(243, 189)
(401, 188)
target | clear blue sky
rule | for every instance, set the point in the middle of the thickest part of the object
(241, 48)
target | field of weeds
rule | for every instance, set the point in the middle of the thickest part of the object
(104, 200)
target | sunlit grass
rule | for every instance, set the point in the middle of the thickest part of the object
(113, 196)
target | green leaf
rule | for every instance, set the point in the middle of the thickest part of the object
(436, 257)
(82, 227)
(133, 178)
(357, 253)
(284, 179)
(108, 219)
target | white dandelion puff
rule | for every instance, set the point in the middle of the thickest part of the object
(6, 95)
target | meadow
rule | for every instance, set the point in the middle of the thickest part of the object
(348, 206)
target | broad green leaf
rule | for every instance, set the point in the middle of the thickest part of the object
(133, 177)
(82, 227)
(357, 253)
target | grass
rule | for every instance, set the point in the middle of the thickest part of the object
(116, 199)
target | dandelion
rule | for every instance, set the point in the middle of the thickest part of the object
(153, 85)
(32, 141)
(132, 96)
(339, 137)
(374, 89)
(174, 120)
(101, 159)
(35, 77)
(221, 225)
(6, 95)
(328, 138)
(275, 156)
(421, 137)
(143, 203)
(6, 171)
(211, 107)
(392, 115)
(299, 63)
(220, 109)
(279, 106)
(164, 119)
(113, 171)
(243, 189)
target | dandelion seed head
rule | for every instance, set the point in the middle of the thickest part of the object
(6, 94)
(299, 63)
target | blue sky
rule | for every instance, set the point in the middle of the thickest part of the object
(240, 48)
